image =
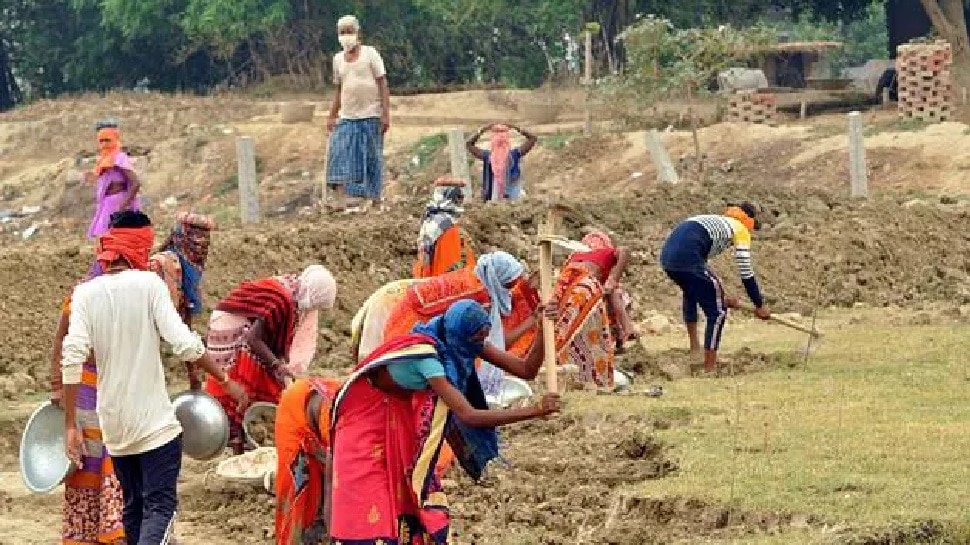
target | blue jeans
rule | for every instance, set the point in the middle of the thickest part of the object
(148, 482)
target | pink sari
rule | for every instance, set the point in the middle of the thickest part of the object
(384, 488)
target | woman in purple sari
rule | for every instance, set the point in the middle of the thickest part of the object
(118, 184)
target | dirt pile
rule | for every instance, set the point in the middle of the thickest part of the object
(561, 481)
(814, 245)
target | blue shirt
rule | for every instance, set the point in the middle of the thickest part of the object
(414, 375)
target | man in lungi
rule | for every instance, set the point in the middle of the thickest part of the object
(359, 118)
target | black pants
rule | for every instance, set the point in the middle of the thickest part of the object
(148, 481)
(703, 288)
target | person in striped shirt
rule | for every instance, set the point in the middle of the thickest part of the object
(684, 258)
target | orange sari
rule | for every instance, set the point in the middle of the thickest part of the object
(452, 252)
(432, 298)
(583, 335)
(302, 470)
(525, 301)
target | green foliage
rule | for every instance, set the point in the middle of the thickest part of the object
(864, 38)
(57, 46)
(664, 61)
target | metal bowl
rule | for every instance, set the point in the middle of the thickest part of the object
(514, 390)
(255, 411)
(43, 459)
(205, 426)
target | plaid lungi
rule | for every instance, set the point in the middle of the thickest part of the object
(356, 157)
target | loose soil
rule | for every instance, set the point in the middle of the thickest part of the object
(904, 248)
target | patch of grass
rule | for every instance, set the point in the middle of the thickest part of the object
(872, 433)
(230, 184)
(425, 148)
(557, 141)
(901, 124)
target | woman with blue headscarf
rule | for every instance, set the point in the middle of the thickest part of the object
(368, 447)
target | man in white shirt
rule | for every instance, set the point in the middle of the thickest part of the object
(121, 316)
(359, 117)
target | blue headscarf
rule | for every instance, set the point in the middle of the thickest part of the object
(452, 332)
(495, 270)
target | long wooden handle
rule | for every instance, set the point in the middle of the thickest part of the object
(789, 323)
(548, 327)
(796, 326)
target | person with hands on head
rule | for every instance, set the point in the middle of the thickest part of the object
(684, 258)
(501, 163)
(359, 117)
(121, 316)
(381, 430)
(264, 335)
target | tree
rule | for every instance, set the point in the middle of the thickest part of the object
(9, 90)
(949, 20)
(664, 62)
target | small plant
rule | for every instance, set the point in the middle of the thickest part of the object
(556, 141)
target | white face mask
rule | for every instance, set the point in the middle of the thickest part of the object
(348, 41)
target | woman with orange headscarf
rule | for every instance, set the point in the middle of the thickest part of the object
(684, 259)
(117, 183)
(501, 168)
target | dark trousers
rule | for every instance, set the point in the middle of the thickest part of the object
(148, 481)
(703, 288)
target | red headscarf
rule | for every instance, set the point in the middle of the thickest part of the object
(132, 245)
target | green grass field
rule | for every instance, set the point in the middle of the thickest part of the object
(872, 433)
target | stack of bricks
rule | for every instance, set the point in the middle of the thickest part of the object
(923, 72)
(752, 107)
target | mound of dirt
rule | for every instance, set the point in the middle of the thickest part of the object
(814, 246)
(561, 479)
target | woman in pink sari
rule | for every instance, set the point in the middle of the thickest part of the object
(373, 457)
(117, 183)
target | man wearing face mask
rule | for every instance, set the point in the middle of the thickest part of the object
(359, 117)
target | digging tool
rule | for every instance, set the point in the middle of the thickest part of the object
(815, 333)
(547, 230)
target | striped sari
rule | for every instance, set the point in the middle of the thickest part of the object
(93, 499)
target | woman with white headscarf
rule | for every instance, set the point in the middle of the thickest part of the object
(264, 334)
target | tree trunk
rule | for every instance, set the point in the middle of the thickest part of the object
(948, 19)
(9, 90)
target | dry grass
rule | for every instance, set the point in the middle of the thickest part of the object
(873, 433)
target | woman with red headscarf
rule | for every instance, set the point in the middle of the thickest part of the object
(501, 163)
(117, 183)
(618, 301)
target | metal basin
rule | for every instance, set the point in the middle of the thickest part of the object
(205, 426)
(514, 391)
(43, 458)
(256, 411)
